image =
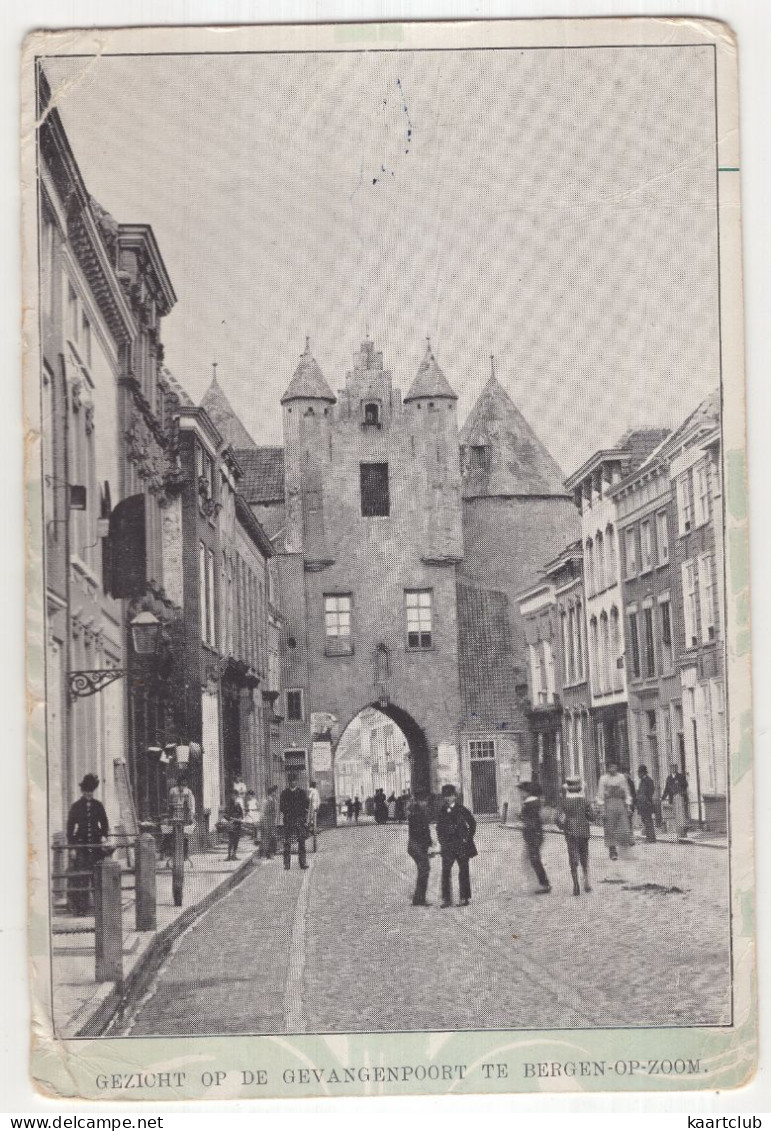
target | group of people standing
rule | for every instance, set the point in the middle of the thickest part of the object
(455, 831)
(391, 808)
(296, 808)
(617, 798)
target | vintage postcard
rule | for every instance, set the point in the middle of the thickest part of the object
(388, 612)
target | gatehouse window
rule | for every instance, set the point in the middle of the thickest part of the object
(375, 500)
(337, 624)
(294, 705)
(372, 414)
(419, 605)
(479, 457)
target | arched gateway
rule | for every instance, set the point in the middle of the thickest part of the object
(381, 747)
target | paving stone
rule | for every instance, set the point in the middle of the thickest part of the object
(626, 954)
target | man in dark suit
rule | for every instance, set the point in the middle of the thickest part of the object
(532, 832)
(455, 828)
(293, 806)
(86, 825)
(418, 843)
(646, 803)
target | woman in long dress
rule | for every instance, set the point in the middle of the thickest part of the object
(616, 801)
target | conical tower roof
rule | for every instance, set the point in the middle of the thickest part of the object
(429, 380)
(515, 462)
(308, 380)
(223, 416)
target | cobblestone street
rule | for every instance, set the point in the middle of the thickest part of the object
(340, 948)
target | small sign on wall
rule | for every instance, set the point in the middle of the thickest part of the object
(447, 767)
(321, 757)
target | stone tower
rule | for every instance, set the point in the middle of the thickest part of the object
(372, 542)
(517, 515)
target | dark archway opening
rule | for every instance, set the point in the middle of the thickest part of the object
(416, 740)
(382, 751)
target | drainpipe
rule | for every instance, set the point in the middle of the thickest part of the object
(70, 774)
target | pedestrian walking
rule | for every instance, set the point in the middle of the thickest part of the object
(356, 809)
(392, 807)
(293, 806)
(234, 815)
(646, 802)
(676, 792)
(349, 810)
(418, 843)
(268, 835)
(575, 820)
(616, 801)
(455, 829)
(87, 828)
(532, 832)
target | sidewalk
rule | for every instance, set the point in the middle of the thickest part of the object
(84, 1007)
(695, 836)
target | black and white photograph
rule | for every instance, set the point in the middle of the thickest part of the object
(388, 568)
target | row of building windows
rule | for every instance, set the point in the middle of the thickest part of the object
(699, 596)
(574, 743)
(205, 473)
(542, 680)
(607, 658)
(650, 640)
(646, 545)
(693, 497)
(601, 567)
(418, 613)
(573, 644)
(243, 622)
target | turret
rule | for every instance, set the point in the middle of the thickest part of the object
(307, 407)
(430, 384)
(431, 408)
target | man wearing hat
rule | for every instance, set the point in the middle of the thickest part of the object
(293, 806)
(86, 825)
(532, 832)
(455, 828)
(574, 818)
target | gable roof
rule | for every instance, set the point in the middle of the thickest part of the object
(263, 480)
(224, 418)
(308, 381)
(705, 416)
(429, 380)
(640, 443)
(631, 451)
(516, 463)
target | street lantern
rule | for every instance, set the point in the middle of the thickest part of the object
(145, 633)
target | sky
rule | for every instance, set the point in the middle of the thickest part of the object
(555, 208)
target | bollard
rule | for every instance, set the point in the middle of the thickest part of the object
(178, 863)
(144, 872)
(108, 927)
